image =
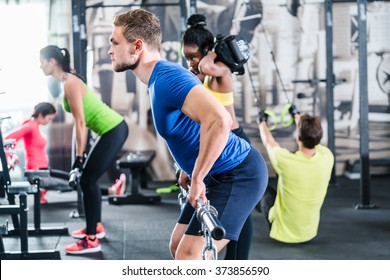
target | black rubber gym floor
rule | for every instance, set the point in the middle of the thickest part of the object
(142, 232)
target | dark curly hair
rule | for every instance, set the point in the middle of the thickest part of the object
(197, 33)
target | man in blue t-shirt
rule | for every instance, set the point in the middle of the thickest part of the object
(219, 166)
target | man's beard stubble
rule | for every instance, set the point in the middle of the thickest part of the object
(126, 66)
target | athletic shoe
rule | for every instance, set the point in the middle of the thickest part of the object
(118, 188)
(84, 246)
(80, 233)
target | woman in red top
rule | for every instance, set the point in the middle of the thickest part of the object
(34, 141)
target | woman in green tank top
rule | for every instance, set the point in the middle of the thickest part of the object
(89, 113)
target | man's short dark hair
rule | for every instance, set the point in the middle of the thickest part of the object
(310, 131)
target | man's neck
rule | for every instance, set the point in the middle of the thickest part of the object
(307, 152)
(145, 68)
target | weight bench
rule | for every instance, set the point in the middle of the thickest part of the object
(13, 209)
(136, 162)
(42, 177)
(36, 177)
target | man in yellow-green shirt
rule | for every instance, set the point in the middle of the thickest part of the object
(293, 210)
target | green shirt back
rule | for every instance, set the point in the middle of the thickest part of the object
(98, 116)
(301, 190)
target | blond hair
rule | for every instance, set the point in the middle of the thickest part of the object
(140, 24)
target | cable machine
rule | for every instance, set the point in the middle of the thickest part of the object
(363, 102)
(330, 83)
(363, 97)
(364, 138)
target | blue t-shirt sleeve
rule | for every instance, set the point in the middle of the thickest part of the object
(175, 84)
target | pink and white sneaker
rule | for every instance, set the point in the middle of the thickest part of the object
(119, 187)
(80, 233)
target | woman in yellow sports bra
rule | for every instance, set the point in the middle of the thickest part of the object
(217, 77)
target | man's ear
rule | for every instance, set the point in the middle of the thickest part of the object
(138, 45)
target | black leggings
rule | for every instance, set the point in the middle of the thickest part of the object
(239, 250)
(99, 159)
(267, 201)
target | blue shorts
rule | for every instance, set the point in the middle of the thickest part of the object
(234, 194)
